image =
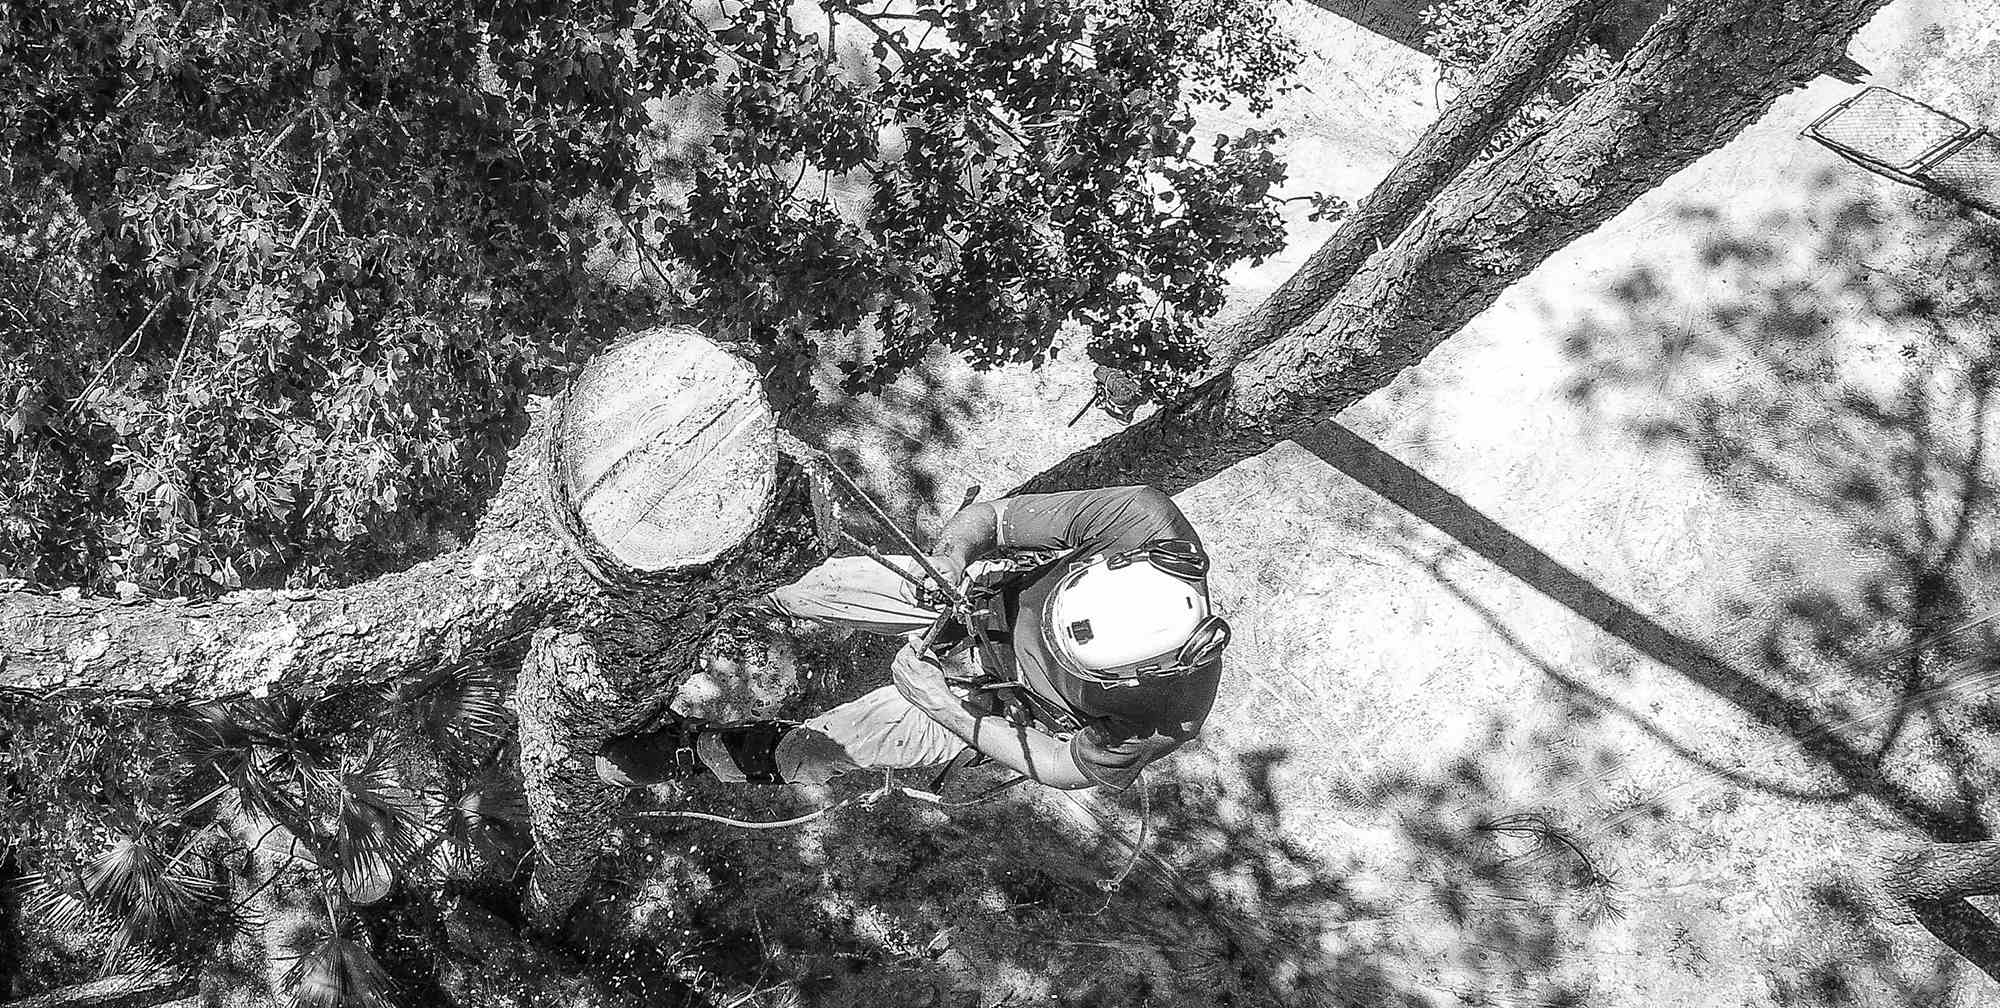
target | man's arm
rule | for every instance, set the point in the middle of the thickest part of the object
(970, 534)
(1042, 758)
(1100, 520)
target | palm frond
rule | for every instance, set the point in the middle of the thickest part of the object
(493, 799)
(277, 796)
(54, 904)
(381, 828)
(268, 750)
(213, 727)
(480, 824)
(279, 723)
(338, 972)
(145, 893)
(465, 711)
(130, 886)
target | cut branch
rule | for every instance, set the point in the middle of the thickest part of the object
(667, 484)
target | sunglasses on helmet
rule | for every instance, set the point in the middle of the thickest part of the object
(1205, 645)
(1179, 557)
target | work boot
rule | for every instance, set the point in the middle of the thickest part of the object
(673, 752)
(664, 754)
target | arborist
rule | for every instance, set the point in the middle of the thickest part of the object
(1094, 651)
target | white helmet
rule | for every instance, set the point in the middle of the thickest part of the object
(1116, 621)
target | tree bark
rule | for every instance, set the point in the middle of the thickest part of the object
(1451, 143)
(666, 485)
(127, 990)
(1916, 870)
(568, 702)
(609, 666)
(1699, 76)
(513, 575)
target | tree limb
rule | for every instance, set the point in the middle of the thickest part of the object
(1700, 75)
(126, 990)
(1914, 869)
(1451, 143)
(511, 577)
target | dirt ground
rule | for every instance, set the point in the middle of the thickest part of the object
(1564, 665)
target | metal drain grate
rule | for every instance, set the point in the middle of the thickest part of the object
(1904, 139)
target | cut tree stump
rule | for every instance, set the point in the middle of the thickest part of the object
(666, 482)
(664, 453)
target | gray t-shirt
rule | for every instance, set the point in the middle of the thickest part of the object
(1123, 727)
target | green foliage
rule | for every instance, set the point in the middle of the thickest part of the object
(144, 894)
(121, 816)
(1465, 34)
(1031, 165)
(279, 278)
(338, 971)
(278, 281)
(97, 812)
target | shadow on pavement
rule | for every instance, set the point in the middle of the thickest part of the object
(1829, 375)
(1459, 894)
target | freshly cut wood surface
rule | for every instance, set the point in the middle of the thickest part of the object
(666, 451)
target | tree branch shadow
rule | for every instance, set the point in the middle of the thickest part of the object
(1828, 374)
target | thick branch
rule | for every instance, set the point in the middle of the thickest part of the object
(1700, 75)
(569, 703)
(253, 642)
(668, 484)
(128, 990)
(1919, 871)
(511, 577)
(1446, 148)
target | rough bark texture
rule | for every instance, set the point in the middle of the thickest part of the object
(509, 578)
(1916, 870)
(613, 664)
(667, 484)
(128, 990)
(1451, 143)
(568, 704)
(639, 508)
(1696, 79)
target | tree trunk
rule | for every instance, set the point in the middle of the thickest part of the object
(1699, 76)
(129, 990)
(510, 577)
(569, 703)
(1916, 870)
(1451, 143)
(642, 505)
(667, 485)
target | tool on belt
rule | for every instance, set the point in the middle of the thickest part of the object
(963, 609)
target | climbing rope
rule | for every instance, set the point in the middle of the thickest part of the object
(865, 798)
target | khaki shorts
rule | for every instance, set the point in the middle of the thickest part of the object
(878, 730)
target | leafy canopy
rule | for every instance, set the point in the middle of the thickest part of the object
(277, 278)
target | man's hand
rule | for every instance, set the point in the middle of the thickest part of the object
(1024, 750)
(970, 534)
(919, 676)
(952, 566)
